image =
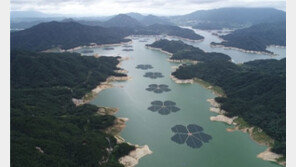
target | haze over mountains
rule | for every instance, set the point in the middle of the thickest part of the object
(203, 19)
(114, 29)
(230, 17)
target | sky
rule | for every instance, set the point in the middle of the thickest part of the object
(157, 7)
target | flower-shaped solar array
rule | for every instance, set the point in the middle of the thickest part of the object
(144, 66)
(163, 108)
(192, 135)
(158, 88)
(153, 75)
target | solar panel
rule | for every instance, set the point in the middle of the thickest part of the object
(192, 135)
(163, 108)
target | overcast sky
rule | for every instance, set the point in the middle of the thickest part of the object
(158, 7)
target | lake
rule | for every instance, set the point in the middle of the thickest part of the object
(225, 149)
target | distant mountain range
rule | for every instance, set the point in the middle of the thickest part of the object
(201, 19)
(121, 20)
(229, 17)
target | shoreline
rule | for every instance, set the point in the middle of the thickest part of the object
(254, 132)
(182, 81)
(242, 50)
(187, 39)
(90, 46)
(132, 159)
(159, 49)
(94, 45)
(267, 155)
(183, 61)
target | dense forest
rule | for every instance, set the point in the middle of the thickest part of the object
(65, 35)
(47, 129)
(256, 37)
(255, 91)
(182, 51)
(70, 34)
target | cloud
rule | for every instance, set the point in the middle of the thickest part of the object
(158, 7)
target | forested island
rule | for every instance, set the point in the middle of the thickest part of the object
(47, 129)
(182, 51)
(256, 37)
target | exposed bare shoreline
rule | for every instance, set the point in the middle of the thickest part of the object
(91, 45)
(243, 50)
(267, 155)
(132, 159)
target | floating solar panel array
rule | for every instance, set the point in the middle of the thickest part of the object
(158, 88)
(127, 50)
(144, 66)
(153, 75)
(193, 135)
(163, 108)
(127, 46)
(108, 48)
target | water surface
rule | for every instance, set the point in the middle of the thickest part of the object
(226, 149)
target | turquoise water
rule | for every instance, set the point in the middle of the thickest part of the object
(226, 149)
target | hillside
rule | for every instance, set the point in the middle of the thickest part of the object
(255, 91)
(256, 37)
(229, 17)
(122, 20)
(65, 35)
(69, 34)
(47, 129)
(152, 19)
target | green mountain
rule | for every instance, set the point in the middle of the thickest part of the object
(69, 34)
(64, 35)
(151, 19)
(47, 129)
(122, 20)
(136, 16)
(256, 37)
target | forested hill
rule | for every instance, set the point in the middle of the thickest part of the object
(47, 129)
(65, 35)
(256, 37)
(122, 20)
(69, 34)
(255, 91)
(182, 51)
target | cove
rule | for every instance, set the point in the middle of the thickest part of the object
(225, 149)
